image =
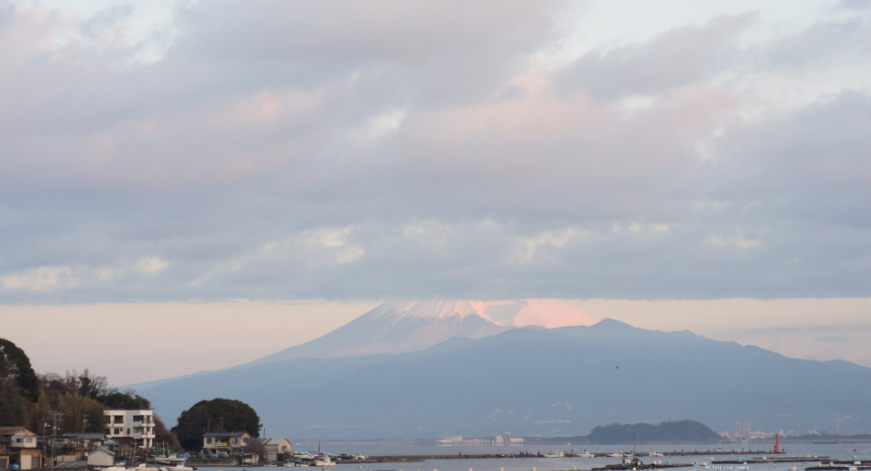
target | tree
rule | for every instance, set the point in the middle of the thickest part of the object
(163, 435)
(11, 412)
(92, 386)
(128, 399)
(14, 363)
(217, 415)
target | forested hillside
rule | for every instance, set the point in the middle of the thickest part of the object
(26, 397)
(682, 431)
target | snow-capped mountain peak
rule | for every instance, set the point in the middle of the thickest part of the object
(547, 313)
(406, 326)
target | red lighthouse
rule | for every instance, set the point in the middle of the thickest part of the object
(777, 443)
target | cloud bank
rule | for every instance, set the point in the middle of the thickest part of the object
(275, 150)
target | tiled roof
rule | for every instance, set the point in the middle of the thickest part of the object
(15, 430)
(105, 450)
(275, 440)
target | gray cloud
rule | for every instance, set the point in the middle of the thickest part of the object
(672, 59)
(416, 149)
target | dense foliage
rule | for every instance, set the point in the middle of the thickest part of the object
(217, 415)
(671, 432)
(15, 364)
(26, 398)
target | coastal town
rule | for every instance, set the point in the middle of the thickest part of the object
(78, 422)
(129, 440)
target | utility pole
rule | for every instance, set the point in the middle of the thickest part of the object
(44, 436)
(55, 418)
(84, 427)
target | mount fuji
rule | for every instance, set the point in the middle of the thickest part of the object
(532, 367)
(529, 381)
(409, 326)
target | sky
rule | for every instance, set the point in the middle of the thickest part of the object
(265, 153)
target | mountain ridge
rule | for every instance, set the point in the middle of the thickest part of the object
(537, 382)
(402, 326)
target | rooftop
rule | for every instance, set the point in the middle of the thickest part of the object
(18, 430)
(274, 440)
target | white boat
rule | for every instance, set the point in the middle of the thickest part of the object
(616, 455)
(654, 453)
(554, 454)
(586, 454)
(172, 463)
(323, 459)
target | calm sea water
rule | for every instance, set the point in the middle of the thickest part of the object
(842, 451)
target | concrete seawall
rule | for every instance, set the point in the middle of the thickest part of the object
(217, 462)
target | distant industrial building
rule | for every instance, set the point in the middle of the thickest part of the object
(499, 440)
(743, 430)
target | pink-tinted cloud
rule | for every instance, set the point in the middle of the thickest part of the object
(445, 145)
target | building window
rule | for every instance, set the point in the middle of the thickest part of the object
(119, 419)
(117, 431)
(208, 440)
(28, 440)
(108, 432)
(137, 418)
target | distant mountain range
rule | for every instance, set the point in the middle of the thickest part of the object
(525, 380)
(410, 326)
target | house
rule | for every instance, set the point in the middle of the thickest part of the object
(88, 440)
(22, 448)
(277, 449)
(101, 457)
(225, 442)
(79, 441)
(5, 454)
(137, 424)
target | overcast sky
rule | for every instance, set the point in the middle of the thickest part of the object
(185, 152)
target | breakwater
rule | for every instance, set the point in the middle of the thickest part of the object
(721, 452)
(612, 467)
(468, 456)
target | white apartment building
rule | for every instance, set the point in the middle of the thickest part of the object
(137, 424)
